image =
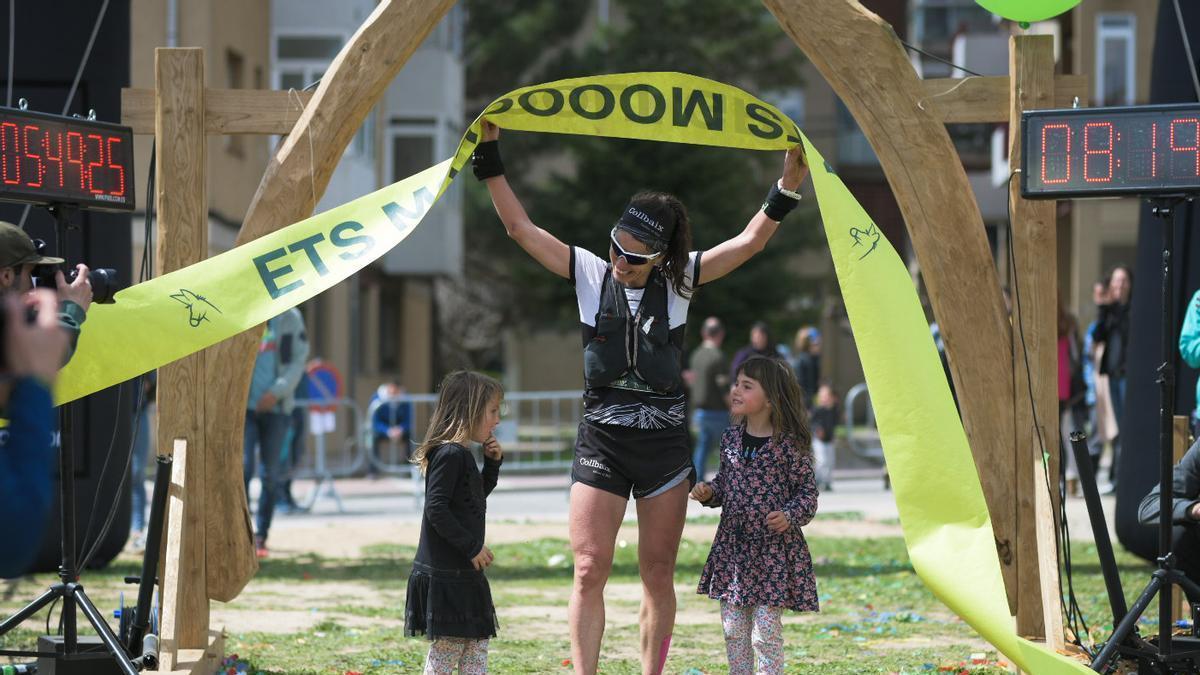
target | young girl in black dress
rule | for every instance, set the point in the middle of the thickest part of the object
(449, 599)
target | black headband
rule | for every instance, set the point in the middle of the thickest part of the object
(646, 227)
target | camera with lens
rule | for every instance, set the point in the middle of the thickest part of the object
(103, 279)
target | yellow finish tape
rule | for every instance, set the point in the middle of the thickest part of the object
(940, 500)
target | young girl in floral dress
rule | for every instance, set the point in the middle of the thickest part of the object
(759, 564)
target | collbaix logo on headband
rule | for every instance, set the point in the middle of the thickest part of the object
(642, 216)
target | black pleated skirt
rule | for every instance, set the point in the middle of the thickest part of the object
(449, 603)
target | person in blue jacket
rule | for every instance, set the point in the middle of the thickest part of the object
(1189, 349)
(33, 353)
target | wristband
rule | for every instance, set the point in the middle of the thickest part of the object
(778, 205)
(485, 162)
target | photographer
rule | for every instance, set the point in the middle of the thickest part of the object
(33, 353)
(1185, 514)
(19, 257)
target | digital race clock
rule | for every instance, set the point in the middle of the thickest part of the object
(1103, 152)
(49, 159)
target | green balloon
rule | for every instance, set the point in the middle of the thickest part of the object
(1027, 10)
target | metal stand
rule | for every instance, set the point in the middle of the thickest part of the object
(68, 589)
(325, 486)
(1156, 656)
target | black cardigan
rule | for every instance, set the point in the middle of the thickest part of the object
(452, 526)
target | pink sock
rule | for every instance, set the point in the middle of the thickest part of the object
(662, 655)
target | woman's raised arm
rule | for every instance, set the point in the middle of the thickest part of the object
(731, 253)
(543, 246)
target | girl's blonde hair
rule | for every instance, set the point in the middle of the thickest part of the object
(463, 398)
(788, 413)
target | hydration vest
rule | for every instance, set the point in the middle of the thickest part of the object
(639, 345)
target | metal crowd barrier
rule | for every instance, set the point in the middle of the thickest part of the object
(862, 434)
(537, 430)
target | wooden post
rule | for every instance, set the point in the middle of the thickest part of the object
(183, 240)
(174, 581)
(861, 58)
(290, 189)
(1035, 358)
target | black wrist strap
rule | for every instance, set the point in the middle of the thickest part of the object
(486, 161)
(778, 205)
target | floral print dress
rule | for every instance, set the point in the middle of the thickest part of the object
(749, 564)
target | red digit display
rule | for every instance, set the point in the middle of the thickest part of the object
(1182, 131)
(1101, 152)
(49, 159)
(1098, 152)
(39, 169)
(1055, 158)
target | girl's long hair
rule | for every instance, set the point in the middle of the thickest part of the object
(463, 398)
(675, 258)
(788, 413)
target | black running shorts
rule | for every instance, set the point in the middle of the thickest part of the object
(624, 460)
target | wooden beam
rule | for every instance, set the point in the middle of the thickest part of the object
(291, 186)
(985, 99)
(1035, 360)
(226, 111)
(183, 240)
(174, 579)
(863, 60)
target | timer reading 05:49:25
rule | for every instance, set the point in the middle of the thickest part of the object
(1136, 150)
(48, 159)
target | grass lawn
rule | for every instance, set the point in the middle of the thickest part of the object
(309, 615)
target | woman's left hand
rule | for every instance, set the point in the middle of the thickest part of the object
(795, 168)
(492, 449)
(777, 522)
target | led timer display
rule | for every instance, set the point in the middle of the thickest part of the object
(49, 159)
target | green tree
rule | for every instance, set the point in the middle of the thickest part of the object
(577, 186)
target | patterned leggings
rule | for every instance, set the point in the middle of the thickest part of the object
(749, 630)
(467, 655)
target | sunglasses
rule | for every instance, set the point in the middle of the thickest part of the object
(630, 257)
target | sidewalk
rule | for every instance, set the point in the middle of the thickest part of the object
(544, 498)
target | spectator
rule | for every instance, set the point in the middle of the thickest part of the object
(391, 422)
(33, 353)
(1099, 429)
(1112, 329)
(806, 362)
(1185, 514)
(1189, 349)
(280, 363)
(761, 344)
(709, 391)
(19, 255)
(143, 442)
(1071, 410)
(824, 421)
(294, 445)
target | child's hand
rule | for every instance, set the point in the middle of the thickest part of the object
(483, 559)
(702, 492)
(492, 449)
(777, 522)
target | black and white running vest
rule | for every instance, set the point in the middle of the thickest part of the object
(638, 345)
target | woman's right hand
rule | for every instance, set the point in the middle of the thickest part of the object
(702, 492)
(483, 559)
(491, 132)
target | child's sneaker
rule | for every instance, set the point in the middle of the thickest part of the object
(260, 548)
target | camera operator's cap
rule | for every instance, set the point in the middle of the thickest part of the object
(16, 248)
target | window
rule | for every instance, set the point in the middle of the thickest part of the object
(301, 62)
(235, 67)
(412, 146)
(391, 308)
(1115, 60)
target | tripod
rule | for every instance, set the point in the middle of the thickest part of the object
(69, 590)
(1159, 656)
